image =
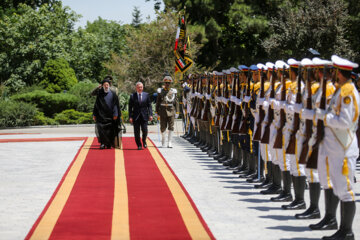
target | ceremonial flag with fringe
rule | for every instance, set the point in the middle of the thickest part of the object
(183, 60)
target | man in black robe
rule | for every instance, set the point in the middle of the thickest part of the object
(106, 114)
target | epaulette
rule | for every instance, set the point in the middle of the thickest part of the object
(346, 89)
(257, 86)
(287, 84)
(159, 90)
(266, 86)
(173, 90)
(330, 89)
(315, 87)
(251, 85)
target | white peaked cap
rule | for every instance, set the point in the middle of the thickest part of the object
(233, 69)
(270, 65)
(261, 66)
(343, 63)
(218, 73)
(280, 64)
(306, 62)
(293, 62)
(226, 71)
(321, 62)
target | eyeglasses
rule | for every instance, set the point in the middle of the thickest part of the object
(167, 83)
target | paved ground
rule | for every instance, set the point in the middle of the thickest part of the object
(232, 208)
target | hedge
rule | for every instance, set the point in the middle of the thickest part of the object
(47, 102)
(16, 114)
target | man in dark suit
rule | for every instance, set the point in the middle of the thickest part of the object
(140, 112)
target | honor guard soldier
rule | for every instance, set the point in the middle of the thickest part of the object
(167, 107)
(340, 142)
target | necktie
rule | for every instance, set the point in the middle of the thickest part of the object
(139, 97)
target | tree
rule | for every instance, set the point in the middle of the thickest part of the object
(147, 62)
(317, 24)
(58, 76)
(230, 32)
(92, 47)
(136, 21)
(28, 40)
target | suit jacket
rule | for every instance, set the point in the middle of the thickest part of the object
(136, 108)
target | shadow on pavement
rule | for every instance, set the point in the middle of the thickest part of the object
(291, 228)
(280, 217)
(264, 209)
(255, 200)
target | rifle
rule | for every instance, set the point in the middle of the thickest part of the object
(244, 125)
(193, 91)
(201, 101)
(279, 136)
(229, 119)
(313, 157)
(308, 122)
(219, 105)
(237, 115)
(257, 135)
(225, 106)
(206, 109)
(296, 124)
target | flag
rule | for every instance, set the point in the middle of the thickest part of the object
(183, 59)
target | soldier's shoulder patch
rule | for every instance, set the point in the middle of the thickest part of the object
(159, 90)
(347, 100)
(346, 89)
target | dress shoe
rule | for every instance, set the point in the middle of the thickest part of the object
(283, 197)
(273, 189)
(311, 213)
(139, 148)
(145, 145)
(327, 223)
(102, 146)
(108, 146)
(264, 184)
(294, 205)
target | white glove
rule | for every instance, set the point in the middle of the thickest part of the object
(260, 101)
(320, 113)
(265, 105)
(307, 114)
(176, 115)
(298, 107)
(247, 99)
(282, 104)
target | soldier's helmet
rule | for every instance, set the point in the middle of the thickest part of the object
(167, 79)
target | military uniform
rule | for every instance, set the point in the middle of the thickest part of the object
(167, 107)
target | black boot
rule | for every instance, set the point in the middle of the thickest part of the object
(250, 166)
(285, 195)
(275, 187)
(268, 179)
(299, 189)
(347, 216)
(329, 221)
(313, 211)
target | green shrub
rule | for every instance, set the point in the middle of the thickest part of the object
(124, 100)
(16, 114)
(41, 119)
(125, 116)
(47, 102)
(83, 91)
(58, 76)
(71, 116)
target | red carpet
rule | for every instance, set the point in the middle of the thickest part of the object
(119, 194)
